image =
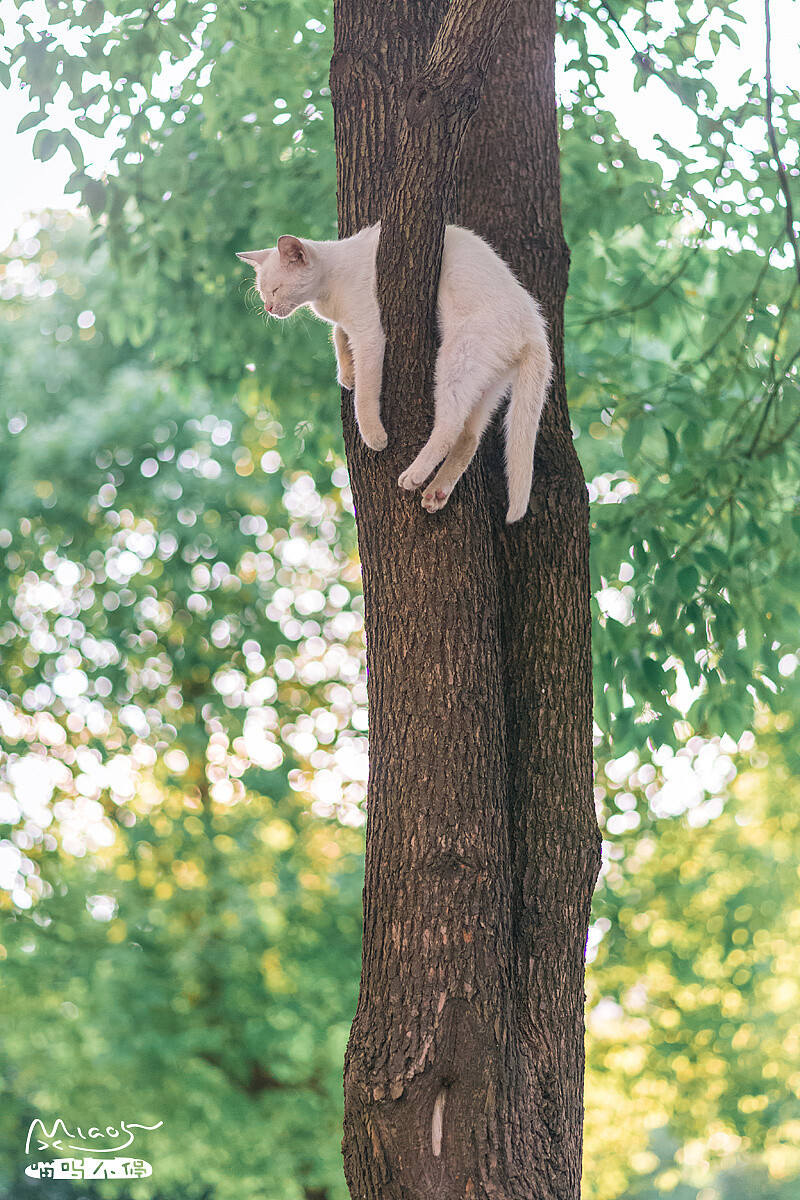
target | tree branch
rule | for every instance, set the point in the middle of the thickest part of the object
(624, 310)
(773, 141)
(439, 105)
(258, 1080)
(459, 58)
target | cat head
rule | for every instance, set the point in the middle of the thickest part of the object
(285, 275)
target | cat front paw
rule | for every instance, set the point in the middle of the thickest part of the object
(346, 378)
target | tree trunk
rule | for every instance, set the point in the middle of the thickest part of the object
(465, 1064)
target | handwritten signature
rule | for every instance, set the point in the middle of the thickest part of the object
(61, 1139)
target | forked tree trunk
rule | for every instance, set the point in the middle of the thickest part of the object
(464, 1072)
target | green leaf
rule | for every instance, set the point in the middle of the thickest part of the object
(45, 144)
(32, 119)
(632, 439)
(688, 579)
(653, 674)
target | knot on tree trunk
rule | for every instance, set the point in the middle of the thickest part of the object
(429, 99)
(424, 102)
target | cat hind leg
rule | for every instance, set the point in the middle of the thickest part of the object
(437, 493)
(446, 433)
(461, 381)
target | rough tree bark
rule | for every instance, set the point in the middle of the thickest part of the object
(464, 1071)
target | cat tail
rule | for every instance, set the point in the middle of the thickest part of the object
(522, 423)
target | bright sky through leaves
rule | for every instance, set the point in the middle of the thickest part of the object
(39, 185)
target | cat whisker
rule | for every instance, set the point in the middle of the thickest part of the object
(251, 297)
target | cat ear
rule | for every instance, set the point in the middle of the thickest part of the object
(291, 249)
(254, 257)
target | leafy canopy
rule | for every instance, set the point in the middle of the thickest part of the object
(682, 335)
(182, 693)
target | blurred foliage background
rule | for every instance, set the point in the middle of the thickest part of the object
(182, 698)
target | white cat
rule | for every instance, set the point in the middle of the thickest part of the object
(492, 334)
